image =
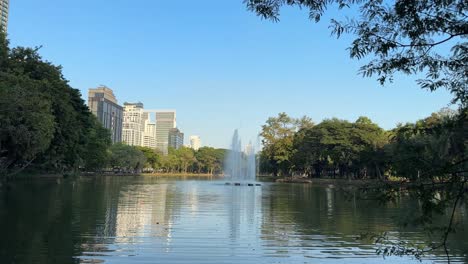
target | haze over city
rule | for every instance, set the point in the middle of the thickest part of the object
(219, 66)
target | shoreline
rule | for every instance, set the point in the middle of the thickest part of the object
(259, 178)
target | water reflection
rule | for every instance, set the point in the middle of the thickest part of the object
(157, 220)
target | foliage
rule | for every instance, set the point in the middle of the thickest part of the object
(97, 147)
(278, 134)
(153, 157)
(45, 123)
(210, 159)
(26, 122)
(428, 159)
(412, 37)
(339, 147)
(127, 158)
(183, 160)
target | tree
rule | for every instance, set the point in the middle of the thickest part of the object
(97, 153)
(46, 124)
(153, 157)
(210, 159)
(277, 141)
(128, 158)
(26, 123)
(427, 159)
(411, 37)
(205, 156)
(186, 157)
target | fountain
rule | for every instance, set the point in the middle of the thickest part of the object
(240, 164)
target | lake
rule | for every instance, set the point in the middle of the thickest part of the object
(200, 220)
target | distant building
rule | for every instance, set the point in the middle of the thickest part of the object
(149, 133)
(133, 124)
(103, 104)
(4, 7)
(165, 121)
(176, 138)
(195, 142)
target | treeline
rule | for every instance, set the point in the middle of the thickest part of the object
(436, 145)
(124, 158)
(45, 126)
(44, 123)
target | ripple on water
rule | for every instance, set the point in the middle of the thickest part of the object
(140, 220)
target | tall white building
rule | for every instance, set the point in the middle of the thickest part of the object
(149, 133)
(195, 142)
(133, 126)
(165, 121)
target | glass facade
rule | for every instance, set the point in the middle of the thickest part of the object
(176, 138)
(165, 121)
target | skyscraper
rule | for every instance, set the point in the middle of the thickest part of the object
(165, 121)
(103, 104)
(195, 142)
(149, 133)
(133, 124)
(176, 138)
(4, 7)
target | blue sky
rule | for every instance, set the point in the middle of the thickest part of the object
(220, 66)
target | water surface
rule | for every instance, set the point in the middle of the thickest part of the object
(177, 220)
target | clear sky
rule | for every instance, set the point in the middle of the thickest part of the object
(220, 66)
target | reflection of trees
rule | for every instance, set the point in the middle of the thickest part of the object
(50, 222)
(42, 222)
(327, 214)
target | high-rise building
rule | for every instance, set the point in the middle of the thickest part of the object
(149, 134)
(176, 138)
(104, 106)
(4, 7)
(165, 121)
(195, 142)
(133, 124)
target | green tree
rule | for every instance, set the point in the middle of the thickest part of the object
(53, 122)
(26, 123)
(153, 157)
(96, 154)
(210, 159)
(186, 158)
(411, 37)
(277, 139)
(126, 157)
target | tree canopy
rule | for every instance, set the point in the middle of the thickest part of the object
(427, 158)
(44, 123)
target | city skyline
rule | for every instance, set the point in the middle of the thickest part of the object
(134, 125)
(185, 63)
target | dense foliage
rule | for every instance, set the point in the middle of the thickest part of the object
(428, 158)
(410, 37)
(44, 123)
(183, 160)
(435, 145)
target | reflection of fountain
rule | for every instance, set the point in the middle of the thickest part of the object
(245, 215)
(240, 165)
